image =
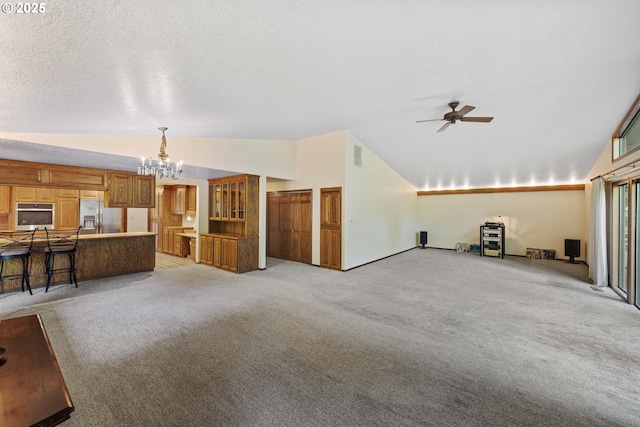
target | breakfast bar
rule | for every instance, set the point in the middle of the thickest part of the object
(97, 256)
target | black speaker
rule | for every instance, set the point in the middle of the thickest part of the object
(571, 249)
(423, 239)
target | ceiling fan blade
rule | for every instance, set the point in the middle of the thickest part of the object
(464, 110)
(476, 119)
(444, 126)
(431, 120)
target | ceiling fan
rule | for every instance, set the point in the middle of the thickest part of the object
(454, 115)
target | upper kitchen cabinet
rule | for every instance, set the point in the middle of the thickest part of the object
(67, 193)
(129, 190)
(119, 192)
(76, 178)
(192, 207)
(144, 191)
(228, 197)
(34, 195)
(92, 194)
(5, 199)
(235, 200)
(14, 172)
(178, 199)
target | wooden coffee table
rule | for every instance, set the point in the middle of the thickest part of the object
(32, 389)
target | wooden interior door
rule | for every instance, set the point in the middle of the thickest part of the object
(273, 225)
(300, 223)
(331, 228)
(289, 225)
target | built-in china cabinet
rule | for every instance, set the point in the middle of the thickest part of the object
(232, 241)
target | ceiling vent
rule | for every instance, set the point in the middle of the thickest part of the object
(357, 155)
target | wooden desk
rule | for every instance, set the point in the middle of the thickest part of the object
(32, 389)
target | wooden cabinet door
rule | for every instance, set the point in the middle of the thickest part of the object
(217, 252)
(177, 246)
(34, 195)
(191, 200)
(224, 210)
(91, 194)
(206, 250)
(25, 194)
(144, 191)
(178, 199)
(233, 200)
(5, 199)
(166, 243)
(46, 195)
(67, 214)
(67, 193)
(217, 201)
(231, 255)
(119, 194)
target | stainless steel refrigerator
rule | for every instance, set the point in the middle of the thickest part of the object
(96, 219)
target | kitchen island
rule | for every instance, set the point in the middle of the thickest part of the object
(97, 256)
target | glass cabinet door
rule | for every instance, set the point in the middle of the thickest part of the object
(211, 200)
(241, 200)
(218, 201)
(225, 200)
(233, 204)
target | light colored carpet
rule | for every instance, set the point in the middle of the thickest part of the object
(427, 337)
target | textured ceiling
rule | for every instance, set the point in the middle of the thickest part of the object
(557, 76)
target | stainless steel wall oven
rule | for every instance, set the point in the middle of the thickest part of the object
(30, 216)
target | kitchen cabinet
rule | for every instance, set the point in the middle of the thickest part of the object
(92, 194)
(167, 240)
(144, 191)
(235, 254)
(67, 214)
(6, 208)
(206, 249)
(67, 193)
(191, 207)
(119, 190)
(229, 254)
(5, 199)
(15, 172)
(233, 222)
(74, 177)
(178, 199)
(34, 195)
(129, 190)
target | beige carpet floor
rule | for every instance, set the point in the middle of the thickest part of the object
(424, 338)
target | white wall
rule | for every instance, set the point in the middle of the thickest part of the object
(532, 219)
(379, 209)
(320, 164)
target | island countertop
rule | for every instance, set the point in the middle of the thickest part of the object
(97, 256)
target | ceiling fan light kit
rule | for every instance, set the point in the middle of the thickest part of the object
(452, 116)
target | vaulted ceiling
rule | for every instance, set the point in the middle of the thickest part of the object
(558, 76)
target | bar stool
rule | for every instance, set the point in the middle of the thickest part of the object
(61, 242)
(16, 245)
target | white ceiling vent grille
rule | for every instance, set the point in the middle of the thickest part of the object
(357, 155)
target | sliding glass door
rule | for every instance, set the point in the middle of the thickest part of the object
(623, 237)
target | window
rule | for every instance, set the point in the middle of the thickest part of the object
(626, 138)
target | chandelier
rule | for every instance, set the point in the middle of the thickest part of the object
(162, 168)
